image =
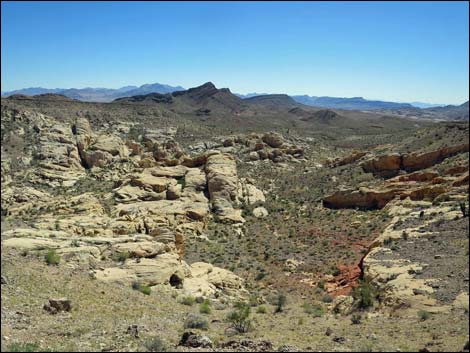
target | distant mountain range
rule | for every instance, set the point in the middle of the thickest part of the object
(107, 95)
(354, 103)
(89, 94)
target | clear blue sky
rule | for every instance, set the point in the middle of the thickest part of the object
(401, 51)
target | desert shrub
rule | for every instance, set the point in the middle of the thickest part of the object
(387, 241)
(364, 295)
(261, 309)
(182, 181)
(188, 300)
(120, 256)
(253, 300)
(196, 321)
(335, 271)
(327, 298)
(239, 318)
(260, 276)
(205, 307)
(313, 309)
(23, 347)
(281, 302)
(423, 315)
(156, 344)
(52, 258)
(141, 288)
(356, 319)
(463, 209)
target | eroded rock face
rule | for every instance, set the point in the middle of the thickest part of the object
(390, 165)
(363, 198)
(386, 165)
(418, 161)
(399, 274)
(222, 182)
(57, 153)
(356, 155)
(426, 184)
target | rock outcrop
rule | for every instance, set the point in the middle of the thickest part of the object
(390, 165)
(222, 182)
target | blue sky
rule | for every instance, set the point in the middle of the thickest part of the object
(400, 51)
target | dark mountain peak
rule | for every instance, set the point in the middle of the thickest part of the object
(204, 91)
(151, 97)
(272, 99)
(207, 85)
(323, 116)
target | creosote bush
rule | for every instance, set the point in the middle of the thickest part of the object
(141, 288)
(423, 315)
(204, 307)
(281, 302)
(188, 300)
(239, 318)
(156, 344)
(196, 321)
(356, 319)
(52, 258)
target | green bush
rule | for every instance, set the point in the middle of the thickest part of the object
(120, 256)
(356, 319)
(364, 295)
(313, 309)
(239, 318)
(188, 300)
(52, 258)
(423, 315)
(156, 344)
(205, 307)
(196, 321)
(280, 303)
(182, 181)
(141, 288)
(261, 309)
(23, 347)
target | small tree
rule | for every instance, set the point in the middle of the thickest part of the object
(280, 303)
(239, 318)
(364, 294)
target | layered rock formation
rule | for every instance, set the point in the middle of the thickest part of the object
(135, 231)
(411, 278)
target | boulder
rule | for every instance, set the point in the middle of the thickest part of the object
(193, 340)
(58, 305)
(141, 249)
(148, 181)
(273, 139)
(260, 212)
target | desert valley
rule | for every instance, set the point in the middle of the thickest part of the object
(200, 220)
